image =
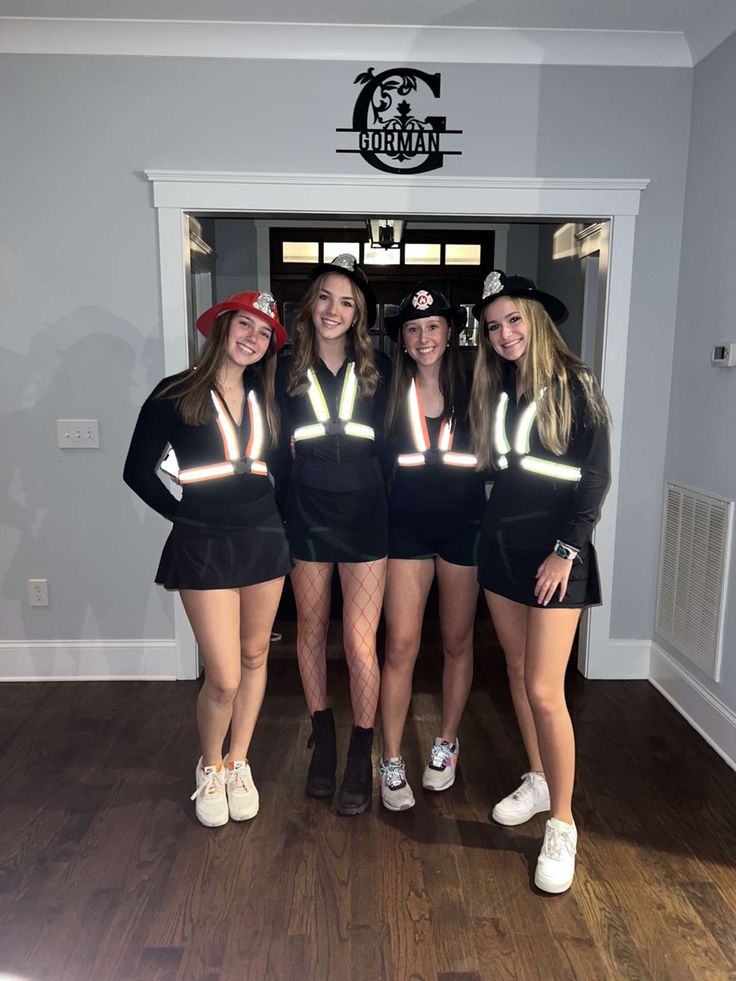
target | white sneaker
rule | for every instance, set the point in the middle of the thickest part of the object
(395, 791)
(439, 773)
(242, 796)
(529, 799)
(211, 807)
(556, 862)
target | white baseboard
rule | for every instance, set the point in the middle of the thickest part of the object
(87, 660)
(621, 660)
(705, 712)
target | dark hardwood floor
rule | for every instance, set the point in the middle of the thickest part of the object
(105, 874)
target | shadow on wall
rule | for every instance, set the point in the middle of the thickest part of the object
(69, 516)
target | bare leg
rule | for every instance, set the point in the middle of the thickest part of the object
(550, 634)
(362, 597)
(510, 622)
(311, 582)
(408, 582)
(458, 596)
(258, 605)
(215, 618)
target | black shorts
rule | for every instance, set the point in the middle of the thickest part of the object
(458, 545)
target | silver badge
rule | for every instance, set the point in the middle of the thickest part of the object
(422, 300)
(492, 284)
(266, 304)
(345, 261)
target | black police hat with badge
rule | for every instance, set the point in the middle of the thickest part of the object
(498, 284)
(424, 301)
(346, 264)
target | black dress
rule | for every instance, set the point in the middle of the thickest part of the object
(335, 506)
(434, 509)
(227, 532)
(530, 509)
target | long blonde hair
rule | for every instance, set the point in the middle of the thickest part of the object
(191, 388)
(547, 376)
(358, 345)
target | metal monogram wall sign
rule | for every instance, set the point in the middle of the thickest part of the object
(391, 135)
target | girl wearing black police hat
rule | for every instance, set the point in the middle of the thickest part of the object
(435, 505)
(539, 417)
(227, 553)
(333, 403)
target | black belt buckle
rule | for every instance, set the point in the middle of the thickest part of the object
(334, 427)
(433, 455)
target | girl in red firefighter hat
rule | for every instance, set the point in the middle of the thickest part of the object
(435, 505)
(227, 553)
(539, 417)
(333, 400)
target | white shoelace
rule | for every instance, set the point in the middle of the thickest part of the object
(212, 786)
(555, 841)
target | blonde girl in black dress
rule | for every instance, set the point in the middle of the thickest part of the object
(539, 417)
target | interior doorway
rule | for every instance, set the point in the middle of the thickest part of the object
(178, 194)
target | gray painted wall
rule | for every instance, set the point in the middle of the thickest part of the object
(81, 330)
(701, 444)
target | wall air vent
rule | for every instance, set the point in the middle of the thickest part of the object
(693, 572)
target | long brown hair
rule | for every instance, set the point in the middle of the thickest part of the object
(358, 347)
(404, 369)
(191, 388)
(547, 374)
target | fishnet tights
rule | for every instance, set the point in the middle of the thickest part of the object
(362, 597)
(362, 588)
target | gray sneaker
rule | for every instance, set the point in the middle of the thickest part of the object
(529, 799)
(439, 773)
(395, 791)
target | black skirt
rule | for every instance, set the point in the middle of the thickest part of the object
(202, 558)
(337, 512)
(512, 572)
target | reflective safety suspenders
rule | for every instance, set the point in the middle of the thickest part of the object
(235, 462)
(325, 425)
(425, 453)
(534, 464)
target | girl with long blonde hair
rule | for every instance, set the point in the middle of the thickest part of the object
(333, 398)
(538, 416)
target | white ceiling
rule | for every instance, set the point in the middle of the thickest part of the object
(672, 31)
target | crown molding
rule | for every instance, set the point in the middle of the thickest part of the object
(344, 42)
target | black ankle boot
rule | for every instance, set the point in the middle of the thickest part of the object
(357, 783)
(321, 773)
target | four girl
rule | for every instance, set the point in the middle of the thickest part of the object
(535, 425)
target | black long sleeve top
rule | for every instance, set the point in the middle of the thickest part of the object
(537, 509)
(296, 411)
(227, 502)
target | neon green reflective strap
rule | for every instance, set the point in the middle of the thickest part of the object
(317, 398)
(349, 390)
(524, 429)
(499, 426)
(548, 468)
(309, 432)
(358, 429)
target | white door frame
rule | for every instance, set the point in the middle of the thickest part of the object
(175, 193)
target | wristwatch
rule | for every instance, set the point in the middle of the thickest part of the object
(564, 551)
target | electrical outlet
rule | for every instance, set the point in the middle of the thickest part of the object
(38, 592)
(78, 434)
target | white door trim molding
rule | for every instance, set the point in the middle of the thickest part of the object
(176, 193)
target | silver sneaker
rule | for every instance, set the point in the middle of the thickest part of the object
(439, 773)
(211, 800)
(395, 791)
(556, 863)
(531, 798)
